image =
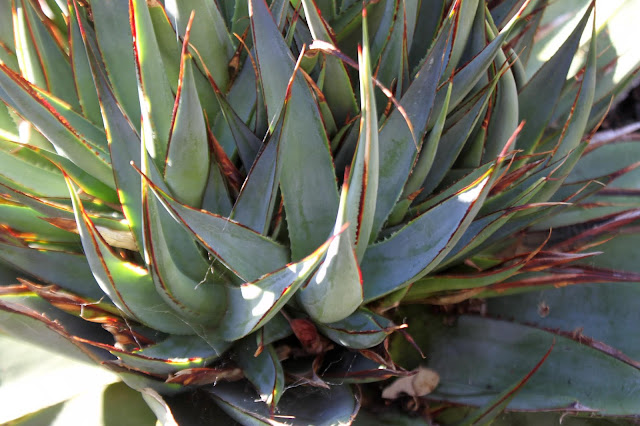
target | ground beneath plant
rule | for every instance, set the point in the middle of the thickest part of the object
(625, 112)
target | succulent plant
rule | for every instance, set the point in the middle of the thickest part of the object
(217, 202)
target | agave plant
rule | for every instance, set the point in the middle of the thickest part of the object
(260, 212)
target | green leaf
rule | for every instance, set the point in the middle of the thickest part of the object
(247, 143)
(112, 405)
(307, 405)
(8, 127)
(464, 16)
(54, 127)
(170, 49)
(384, 30)
(593, 308)
(55, 65)
(181, 275)
(494, 408)
(427, 19)
(7, 34)
(129, 286)
(47, 265)
(339, 92)
(24, 219)
(479, 357)
(544, 88)
(335, 290)
(577, 125)
(276, 329)
(143, 383)
(255, 204)
(458, 130)
(56, 209)
(30, 171)
(483, 228)
(209, 35)
(393, 67)
(308, 177)
(83, 79)
(39, 170)
(173, 354)
(253, 304)
(25, 48)
(418, 247)
(427, 152)
(33, 319)
(216, 197)
(425, 287)
(33, 379)
(187, 163)
(349, 366)
(363, 177)
(155, 96)
(246, 101)
(247, 253)
(397, 150)
(124, 144)
(504, 110)
(465, 78)
(87, 130)
(361, 330)
(505, 10)
(264, 371)
(113, 31)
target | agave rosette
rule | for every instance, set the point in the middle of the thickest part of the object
(214, 199)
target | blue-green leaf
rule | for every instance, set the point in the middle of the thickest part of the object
(113, 31)
(362, 329)
(363, 177)
(307, 181)
(253, 304)
(187, 163)
(305, 404)
(129, 286)
(155, 96)
(247, 253)
(396, 141)
(419, 246)
(335, 290)
(263, 370)
(43, 115)
(209, 35)
(544, 88)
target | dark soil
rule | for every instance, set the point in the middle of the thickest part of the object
(625, 112)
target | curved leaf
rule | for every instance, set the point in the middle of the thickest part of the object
(263, 370)
(154, 91)
(301, 405)
(129, 286)
(113, 30)
(209, 35)
(187, 163)
(253, 304)
(363, 177)
(455, 353)
(335, 290)
(247, 253)
(397, 150)
(181, 276)
(54, 127)
(418, 247)
(307, 181)
(361, 330)
(544, 87)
